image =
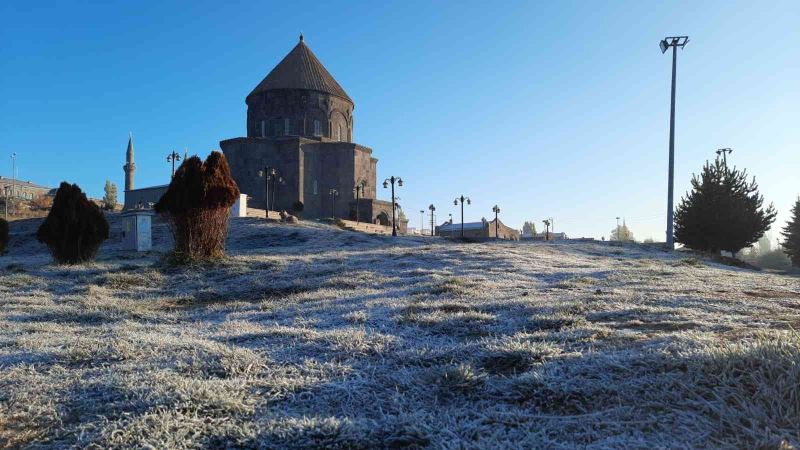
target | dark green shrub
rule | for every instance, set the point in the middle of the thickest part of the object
(74, 228)
(3, 235)
(197, 206)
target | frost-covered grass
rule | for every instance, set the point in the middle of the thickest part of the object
(309, 336)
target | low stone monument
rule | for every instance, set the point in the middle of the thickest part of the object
(137, 230)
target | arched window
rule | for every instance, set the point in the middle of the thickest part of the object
(338, 132)
(317, 128)
(286, 127)
(263, 128)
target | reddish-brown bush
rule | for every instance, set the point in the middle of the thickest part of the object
(74, 228)
(197, 206)
(3, 235)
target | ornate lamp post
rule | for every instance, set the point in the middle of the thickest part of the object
(270, 174)
(432, 209)
(462, 199)
(359, 191)
(496, 211)
(546, 230)
(172, 157)
(392, 180)
(333, 193)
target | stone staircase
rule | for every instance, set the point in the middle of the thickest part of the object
(364, 227)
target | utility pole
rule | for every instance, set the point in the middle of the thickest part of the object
(674, 42)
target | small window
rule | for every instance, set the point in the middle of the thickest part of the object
(263, 128)
(316, 188)
(317, 128)
(286, 128)
(338, 132)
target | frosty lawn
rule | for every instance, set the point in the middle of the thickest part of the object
(312, 336)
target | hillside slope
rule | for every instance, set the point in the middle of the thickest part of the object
(310, 336)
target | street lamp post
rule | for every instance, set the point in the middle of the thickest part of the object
(359, 190)
(172, 157)
(392, 180)
(462, 199)
(333, 193)
(496, 210)
(674, 42)
(268, 173)
(432, 209)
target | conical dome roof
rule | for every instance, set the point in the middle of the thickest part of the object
(301, 69)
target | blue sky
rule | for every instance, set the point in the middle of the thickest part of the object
(548, 109)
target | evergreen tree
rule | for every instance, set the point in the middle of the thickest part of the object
(529, 228)
(621, 233)
(791, 235)
(722, 212)
(110, 199)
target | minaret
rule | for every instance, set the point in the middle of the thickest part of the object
(130, 166)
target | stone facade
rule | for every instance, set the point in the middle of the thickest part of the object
(478, 230)
(144, 198)
(300, 123)
(21, 190)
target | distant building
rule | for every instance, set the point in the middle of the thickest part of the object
(21, 190)
(300, 122)
(478, 230)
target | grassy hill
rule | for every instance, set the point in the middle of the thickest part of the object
(310, 336)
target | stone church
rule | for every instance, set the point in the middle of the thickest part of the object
(300, 123)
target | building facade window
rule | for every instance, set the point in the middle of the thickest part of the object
(316, 187)
(317, 128)
(263, 128)
(286, 127)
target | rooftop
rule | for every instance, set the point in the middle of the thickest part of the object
(301, 69)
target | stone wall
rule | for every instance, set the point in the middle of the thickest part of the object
(310, 168)
(269, 113)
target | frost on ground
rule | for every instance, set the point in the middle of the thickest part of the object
(309, 336)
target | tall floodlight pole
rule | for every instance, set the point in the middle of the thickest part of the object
(666, 43)
(386, 183)
(432, 209)
(462, 199)
(724, 152)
